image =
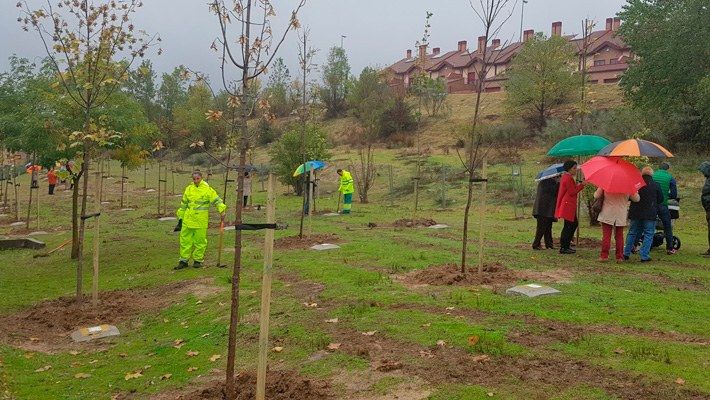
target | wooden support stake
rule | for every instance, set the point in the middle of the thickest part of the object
(482, 212)
(97, 207)
(310, 201)
(266, 292)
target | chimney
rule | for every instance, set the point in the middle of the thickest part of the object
(496, 43)
(481, 43)
(609, 22)
(422, 52)
(436, 51)
(527, 35)
(557, 28)
(409, 54)
(462, 46)
(617, 24)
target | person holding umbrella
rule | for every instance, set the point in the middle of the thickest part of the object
(544, 207)
(643, 216)
(566, 207)
(194, 214)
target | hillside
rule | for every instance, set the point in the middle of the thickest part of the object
(445, 129)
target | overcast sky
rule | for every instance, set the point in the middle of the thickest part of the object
(376, 32)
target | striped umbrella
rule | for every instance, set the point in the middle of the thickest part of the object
(635, 148)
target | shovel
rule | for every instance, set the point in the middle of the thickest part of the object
(219, 249)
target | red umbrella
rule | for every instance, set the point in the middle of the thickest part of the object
(613, 175)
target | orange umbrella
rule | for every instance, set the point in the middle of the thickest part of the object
(635, 148)
(33, 168)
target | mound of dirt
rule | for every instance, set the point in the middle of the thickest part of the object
(450, 274)
(413, 223)
(46, 326)
(280, 385)
(296, 243)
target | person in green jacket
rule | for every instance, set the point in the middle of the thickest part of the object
(347, 188)
(669, 189)
(194, 214)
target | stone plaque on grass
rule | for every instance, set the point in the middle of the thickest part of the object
(331, 215)
(167, 219)
(439, 226)
(325, 246)
(94, 332)
(532, 290)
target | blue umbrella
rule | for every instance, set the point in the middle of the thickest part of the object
(310, 165)
(550, 172)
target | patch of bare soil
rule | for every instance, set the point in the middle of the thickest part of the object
(154, 216)
(450, 274)
(296, 243)
(47, 326)
(280, 385)
(412, 223)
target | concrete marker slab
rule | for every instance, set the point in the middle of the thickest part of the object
(94, 332)
(532, 290)
(325, 246)
(167, 219)
(438, 226)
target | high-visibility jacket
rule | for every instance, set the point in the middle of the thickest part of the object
(346, 183)
(195, 205)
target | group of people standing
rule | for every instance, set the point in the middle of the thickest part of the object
(557, 199)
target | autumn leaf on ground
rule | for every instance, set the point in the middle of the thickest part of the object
(426, 325)
(146, 367)
(192, 369)
(34, 339)
(45, 368)
(449, 308)
(29, 355)
(76, 364)
(192, 353)
(82, 376)
(93, 361)
(199, 302)
(370, 333)
(334, 346)
(133, 375)
(205, 335)
(74, 352)
(166, 376)
(472, 340)
(122, 355)
(277, 349)
(425, 354)
(166, 320)
(215, 357)
(441, 342)
(490, 394)
(311, 305)
(619, 351)
(332, 321)
(481, 358)
(680, 381)
(178, 343)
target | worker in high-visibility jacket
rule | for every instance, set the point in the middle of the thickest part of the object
(347, 188)
(194, 213)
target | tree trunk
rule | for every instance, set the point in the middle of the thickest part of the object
(82, 223)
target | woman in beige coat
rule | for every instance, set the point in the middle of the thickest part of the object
(614, 216)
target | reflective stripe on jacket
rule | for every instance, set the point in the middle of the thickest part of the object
(346, 183)
(195, 205)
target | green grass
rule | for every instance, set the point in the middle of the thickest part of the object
(667, 299)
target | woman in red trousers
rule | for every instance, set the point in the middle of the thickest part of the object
(567, 205)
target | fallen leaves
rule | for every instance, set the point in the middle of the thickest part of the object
(28, 355)
(178, 343)
(192, 353)
(45, 368)
(619, 351)
(74, 352)
(332, 321)
(386, 366)
(334, 346)
(369, 333)
(310, 305)
(426, 354)
(481, 358)
(680, 381)
(123, 355)
(277, 349)
(34, 339)
(441, 342)
(215, 357)
(82, 376)
(166, 376)
(428, 324)
(133, 375)
(472, 340)
(191, 369)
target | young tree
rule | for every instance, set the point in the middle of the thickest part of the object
(669, 79)
(84, 42)
(541, 78)
(249, 53)
(492, 15)
(141, 85)
(336, 76)
(287, 153)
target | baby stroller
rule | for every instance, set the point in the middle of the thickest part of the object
(659, 236)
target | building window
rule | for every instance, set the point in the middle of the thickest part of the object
(614, 61)
(599, 62)
(471, 77)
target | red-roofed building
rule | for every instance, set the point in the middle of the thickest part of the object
(607, 57)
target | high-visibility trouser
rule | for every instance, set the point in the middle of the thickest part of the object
(193, 237)
(347, 203)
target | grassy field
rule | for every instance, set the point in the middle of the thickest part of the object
(386, 316)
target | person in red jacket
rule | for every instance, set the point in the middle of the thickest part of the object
(566, 207)
(51, 180)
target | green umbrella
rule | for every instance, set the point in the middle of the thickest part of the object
(579, 145)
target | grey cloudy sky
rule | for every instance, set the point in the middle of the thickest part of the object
(377, 32)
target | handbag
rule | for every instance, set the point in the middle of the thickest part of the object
(598, 204)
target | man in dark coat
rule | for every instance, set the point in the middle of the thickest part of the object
(544, 211)
(642, 216)
(705, 198)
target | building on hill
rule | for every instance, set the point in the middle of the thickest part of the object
(607, 57)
